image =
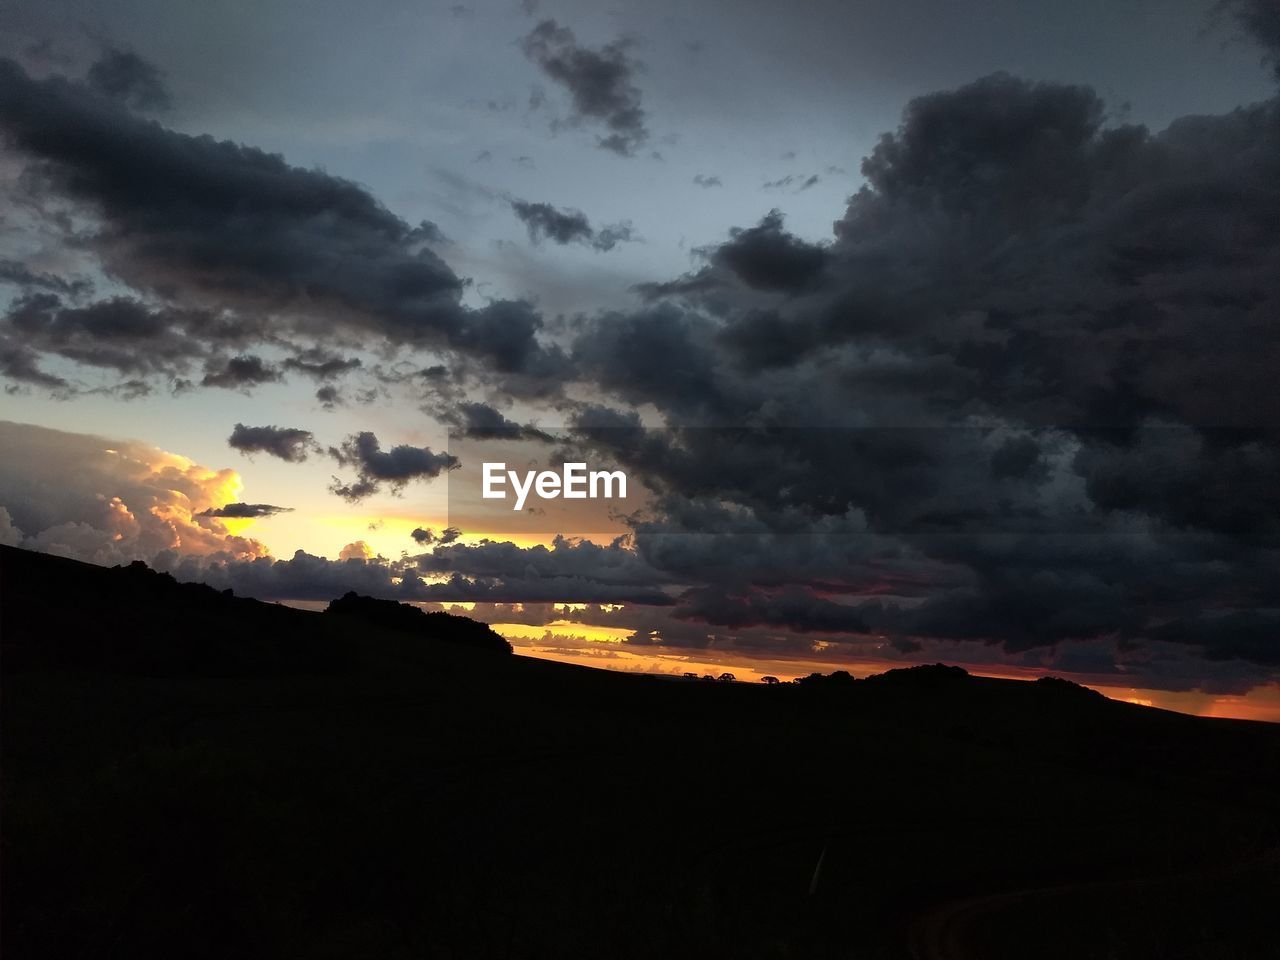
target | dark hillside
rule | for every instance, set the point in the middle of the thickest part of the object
(66, 615)
(197, 775)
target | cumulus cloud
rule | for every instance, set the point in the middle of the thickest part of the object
(600, 83)
(109, 502)
(375, 466)
(359, 550)
(290, 444)
(1066, 340)
(762, 258)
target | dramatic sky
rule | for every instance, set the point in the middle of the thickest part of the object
(931, 331)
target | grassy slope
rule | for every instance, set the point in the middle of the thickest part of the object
(397, 797)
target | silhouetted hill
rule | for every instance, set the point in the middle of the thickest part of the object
(192, 774)
(68, 615)
(408, 619)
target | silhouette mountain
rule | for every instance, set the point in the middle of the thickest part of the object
(188, 773)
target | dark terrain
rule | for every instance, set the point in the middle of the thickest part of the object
(188, 774)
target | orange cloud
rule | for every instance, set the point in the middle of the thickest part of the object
(359, 550)
(114, 501)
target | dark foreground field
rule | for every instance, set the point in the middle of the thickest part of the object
(191, 775)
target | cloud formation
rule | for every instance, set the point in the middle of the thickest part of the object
(544, 221)
(110, 502)
(291, 444)
(217, 227)
(395, 467)
(1021, 404)
(244, 511)
(238, 373)
(126, 77)
(1261, 20)
(427, 536)
(600, 84)
(321, 365)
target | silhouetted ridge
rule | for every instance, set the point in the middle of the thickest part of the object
(1058, 685)
(924, 675)
(60, 614)
(409, 619)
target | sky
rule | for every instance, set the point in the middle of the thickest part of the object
(930, 331)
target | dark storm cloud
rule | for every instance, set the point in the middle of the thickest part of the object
(562, 226)
(217, 223)
(482, 421)
(122, 333)
(794, 608)
(764, 257)
(375, 466)
(1252, 635)
(1101, 298)
(307, 577)
(290, 444)
(244, 511)
(599, 82)
(126, 77)
(240, 373)
(20, 275)
(581, 561)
